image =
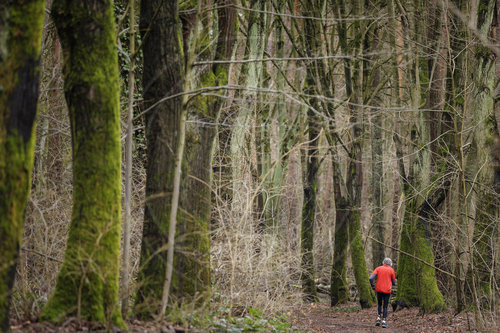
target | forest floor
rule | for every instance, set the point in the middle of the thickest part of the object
(314, 317)
(321, 318)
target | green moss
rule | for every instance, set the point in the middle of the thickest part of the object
(339, 289)
(26, 19)
(87, 284)
(366, 295)
(481, 51)
(20, 49)
(15, 178)
(201, 105)
(307, 228)
(221, 75)
(407, 284)
(417, 284)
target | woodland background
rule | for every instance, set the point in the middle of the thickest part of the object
(303, 141)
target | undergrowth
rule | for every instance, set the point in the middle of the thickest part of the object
(222, 319)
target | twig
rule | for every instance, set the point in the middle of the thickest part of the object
(41, 254)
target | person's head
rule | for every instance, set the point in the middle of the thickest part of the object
(387, 261)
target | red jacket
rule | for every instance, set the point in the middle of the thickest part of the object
(386, 278)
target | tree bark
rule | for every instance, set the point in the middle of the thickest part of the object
(354, 84)
(378, 250)
(418, 284)
(480, 169)
(339, 290)
(20, 41)
(163, 75)
(193, 262)
(87, 285)
(242, 140)
(312, 44)
(127, 198)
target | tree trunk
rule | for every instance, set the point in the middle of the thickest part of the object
(308, 215)
(312, 44)
(163, 75)
(417, 282)
(242, 140)
(354, 84)
(278, 129)
(127, 197)
(480, 170)
(193, 262)
(378, 250)
(339, 290)
(394, 123)
(20, 40)
(87, 284)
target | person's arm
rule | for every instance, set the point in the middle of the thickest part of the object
(393, 278)
(372, 280)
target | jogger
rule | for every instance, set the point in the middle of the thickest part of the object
(386, 278)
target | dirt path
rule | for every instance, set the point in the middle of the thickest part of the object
(320, 317)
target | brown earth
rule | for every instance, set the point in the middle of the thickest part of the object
(321, 318)
(71, 325)
(313, 317)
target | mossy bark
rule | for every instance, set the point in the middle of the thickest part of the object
(193, 268)
(371, 96)
(241, 140)
(278, 117)
(87, 284)
(163, 75)
(354, 184)
(481, 166)
(308, 214)
(417, 283)
(339, 290)
(20, 41)
(354, 87)
(312, 46)
(378, 250)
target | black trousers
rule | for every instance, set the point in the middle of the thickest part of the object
(382, 298)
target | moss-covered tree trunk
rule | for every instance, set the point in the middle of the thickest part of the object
(87, 284)
(308, 213)
(339, 290)
(20, 40)
(354, 183)
(312, 47)
(193, 262)
(480, 171)
(163, 75)
(371, 97)
(354, 83)
(417, 281)
(272, 143)
(241, 139)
